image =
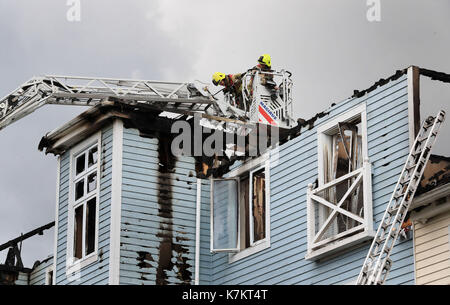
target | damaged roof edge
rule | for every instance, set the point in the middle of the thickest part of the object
(88, 122)
(434, 75)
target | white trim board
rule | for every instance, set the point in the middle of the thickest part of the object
(116, 202)
(55, 240)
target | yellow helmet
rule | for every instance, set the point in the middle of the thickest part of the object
(217, 77)
(265, 60)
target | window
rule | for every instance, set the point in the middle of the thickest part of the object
(340, 208)
(83, 202)
(240, 210)
(49, 276)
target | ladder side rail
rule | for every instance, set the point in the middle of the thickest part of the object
(380, 226)
(407, 198)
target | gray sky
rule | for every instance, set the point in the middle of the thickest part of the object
(329, 46)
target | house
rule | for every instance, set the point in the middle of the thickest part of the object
(130, 212)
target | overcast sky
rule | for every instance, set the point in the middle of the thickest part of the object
(329, 46)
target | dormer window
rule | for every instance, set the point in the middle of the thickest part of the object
(83, 203)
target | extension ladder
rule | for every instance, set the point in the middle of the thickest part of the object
(377, 263)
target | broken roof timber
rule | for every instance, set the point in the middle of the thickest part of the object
(39, 231)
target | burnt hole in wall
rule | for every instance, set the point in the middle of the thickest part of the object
(143, 255)
(167, 163)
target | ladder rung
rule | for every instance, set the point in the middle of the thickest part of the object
(388, 264)
(393, 210)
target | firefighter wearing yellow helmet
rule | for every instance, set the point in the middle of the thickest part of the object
(263, 67)
(264, 62)
(232, 84)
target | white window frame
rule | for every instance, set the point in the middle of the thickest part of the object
(317, 250)
(74, 265)
(250, 167)
(238, 241)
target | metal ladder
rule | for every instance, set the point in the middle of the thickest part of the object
(183, 98)
(378, 264)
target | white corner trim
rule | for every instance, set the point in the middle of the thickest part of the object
(197, 232)
(116, 202)
(413, 96)
(55, 240)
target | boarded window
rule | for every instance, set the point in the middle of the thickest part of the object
(258, 205)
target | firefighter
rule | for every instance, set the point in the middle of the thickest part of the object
(232, 84)
(264, 65)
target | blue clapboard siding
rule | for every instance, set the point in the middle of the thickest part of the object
(22, 279)
(37, 276)
(283, 262)
(205, 229)
(147, 230)
(97, 272)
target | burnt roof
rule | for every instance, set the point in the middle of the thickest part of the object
(436, 173)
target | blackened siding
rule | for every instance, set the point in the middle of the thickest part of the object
(157, 238)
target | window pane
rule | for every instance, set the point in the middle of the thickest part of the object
(93, 155)
(259, 205)
(78, 232)
(225, 214)
(79, 189)
(90, 225)
(92, 182)
(80, 164)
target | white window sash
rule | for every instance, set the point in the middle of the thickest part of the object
(238, 241)
(71, 261)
